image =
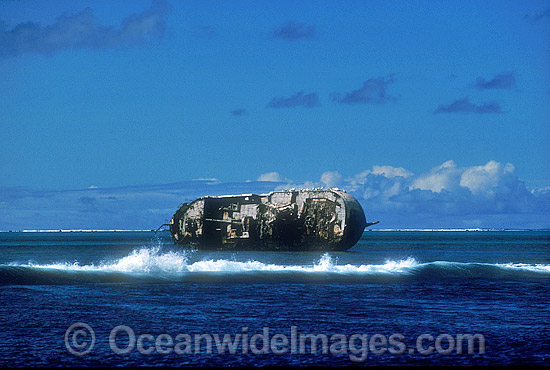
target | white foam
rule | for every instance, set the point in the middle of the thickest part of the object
(325, 264)
(153, 260)
(525, 266)
(150, 260)
(144, 260)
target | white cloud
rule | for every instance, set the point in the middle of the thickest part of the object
(487, 180)
(381, 181)
(444, 177)
(331, 179)
(386, 171)
(389, 171)
(494, 177)
(207, 179)
(272, 176)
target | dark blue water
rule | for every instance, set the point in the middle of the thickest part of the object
(415, 297)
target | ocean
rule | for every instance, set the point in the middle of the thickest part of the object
(409, 297)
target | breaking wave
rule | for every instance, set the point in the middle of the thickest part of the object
(151, 265)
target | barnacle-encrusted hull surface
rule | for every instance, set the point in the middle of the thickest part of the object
(281, 220)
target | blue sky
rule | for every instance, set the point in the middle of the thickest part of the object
(454, 96)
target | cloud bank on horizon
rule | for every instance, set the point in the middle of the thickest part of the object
(447, 196)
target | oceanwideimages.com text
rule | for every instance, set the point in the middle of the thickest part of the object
(80, 339)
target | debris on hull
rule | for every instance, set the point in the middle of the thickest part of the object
(290, 220)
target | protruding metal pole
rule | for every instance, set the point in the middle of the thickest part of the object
(161, 227)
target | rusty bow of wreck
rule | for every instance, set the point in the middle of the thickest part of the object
(281, 220)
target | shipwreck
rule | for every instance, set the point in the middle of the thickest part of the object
(288, 220)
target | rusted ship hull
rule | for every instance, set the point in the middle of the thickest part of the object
(281, 220)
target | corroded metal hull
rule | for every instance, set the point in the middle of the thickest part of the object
(281, 220)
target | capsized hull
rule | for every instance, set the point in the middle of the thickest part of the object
(281, 220)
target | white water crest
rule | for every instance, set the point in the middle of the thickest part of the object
(325, 264)
(153, 260)
(525, 267)
(144, 260)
